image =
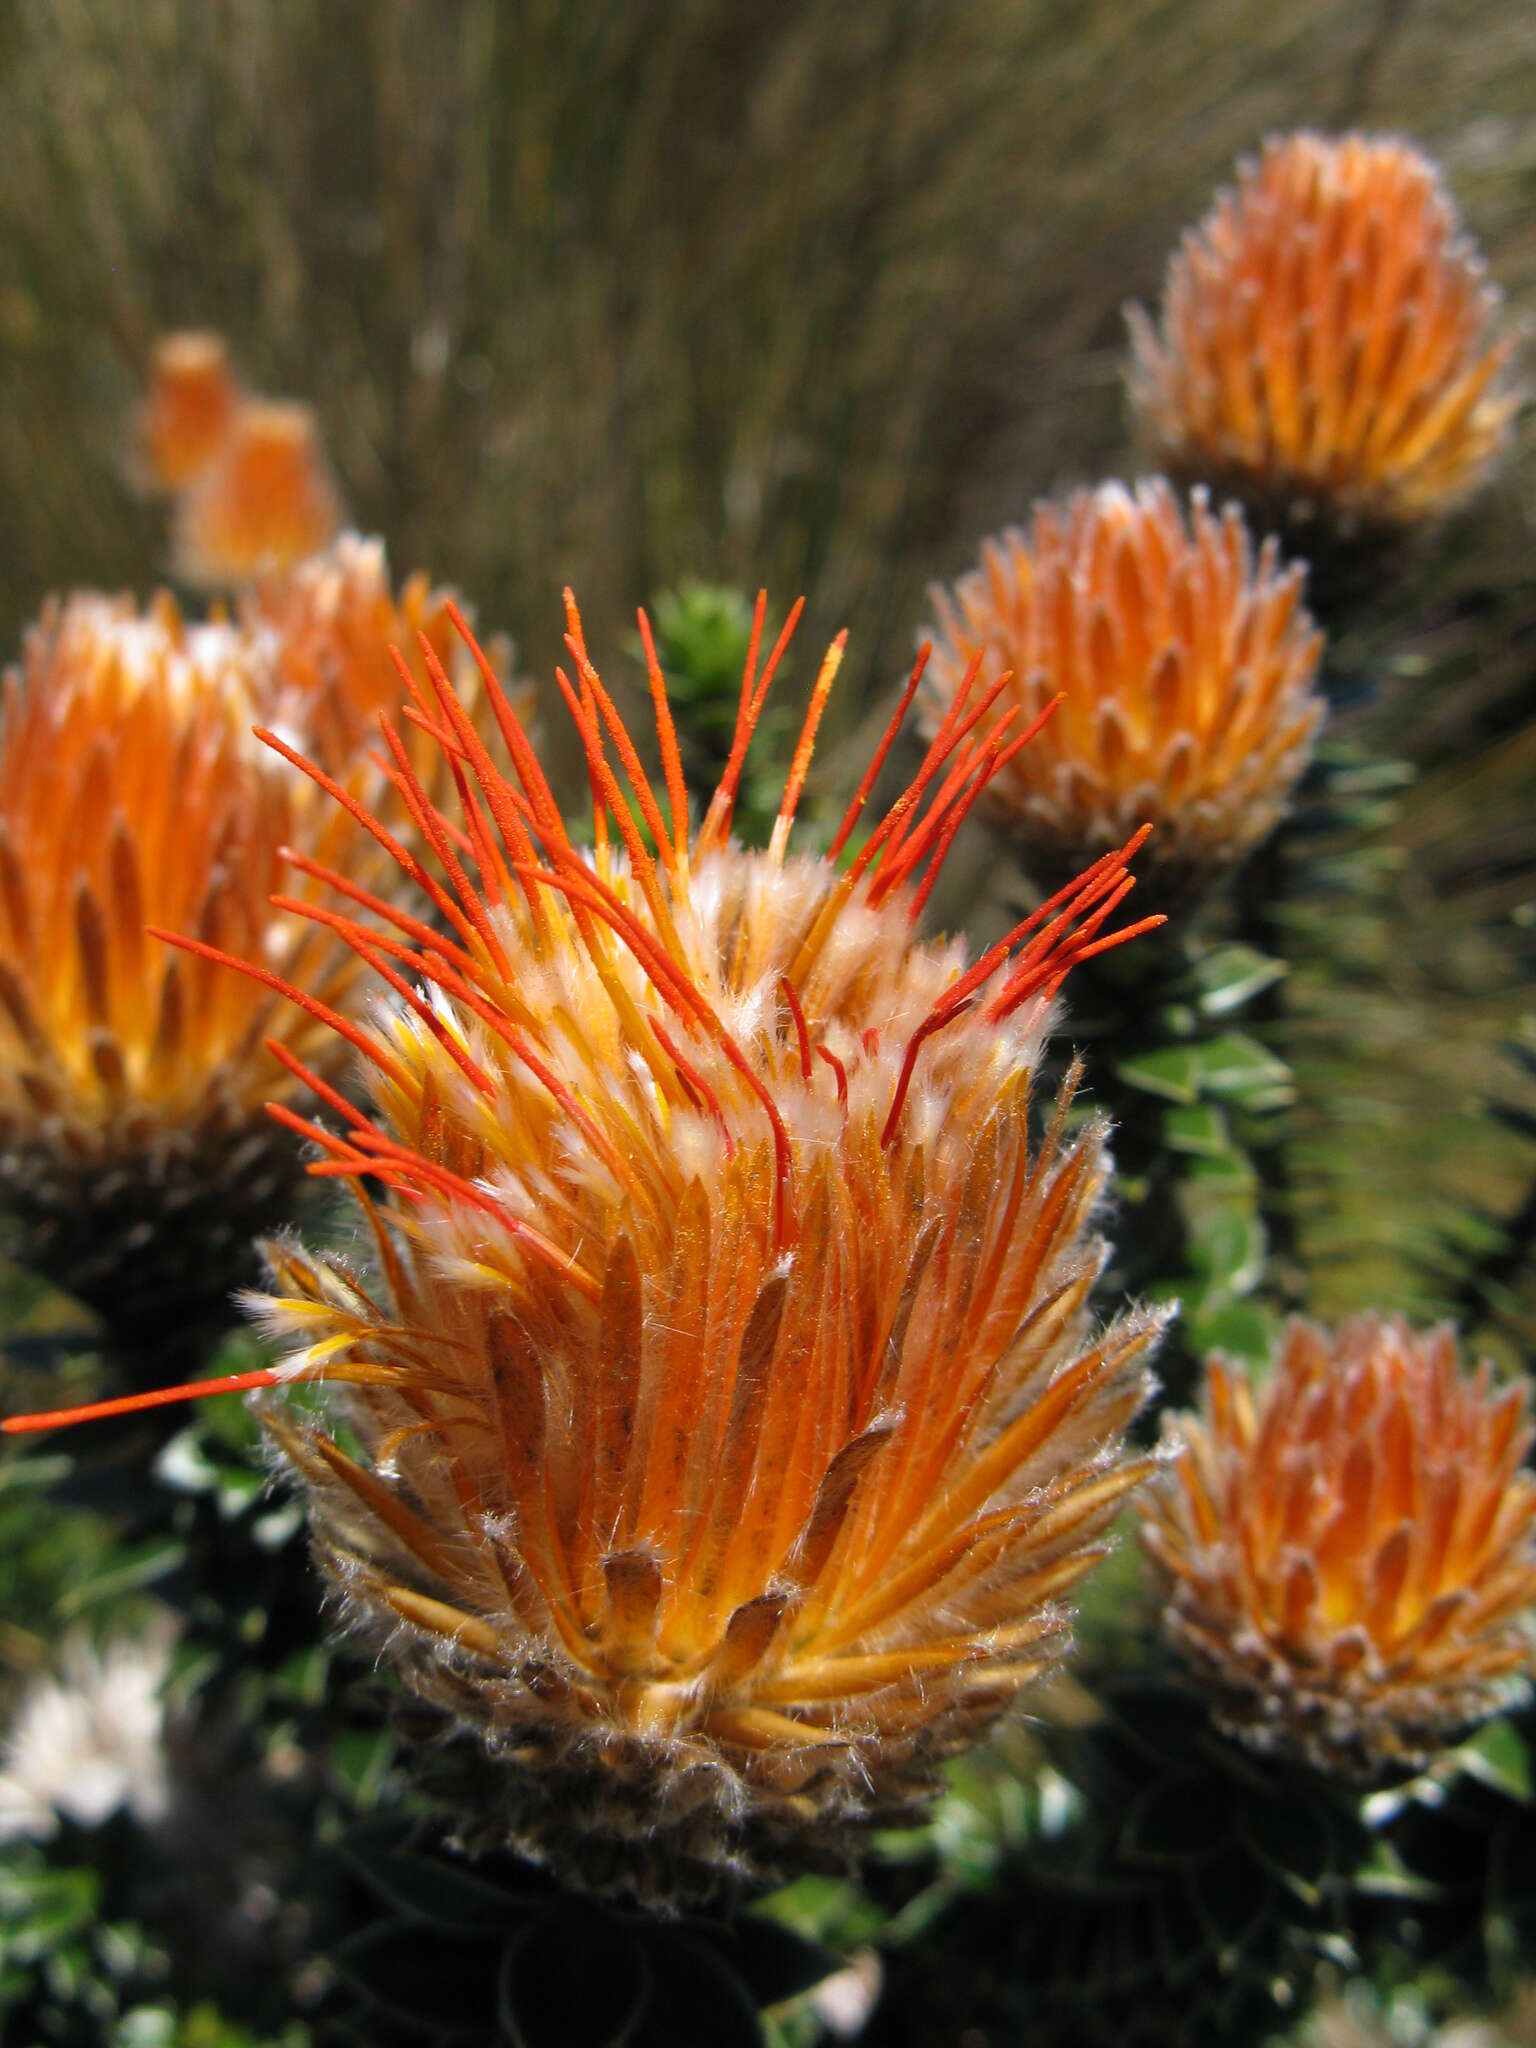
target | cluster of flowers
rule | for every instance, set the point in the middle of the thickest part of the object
(721, 1423)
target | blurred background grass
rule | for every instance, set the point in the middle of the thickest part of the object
(814, 296)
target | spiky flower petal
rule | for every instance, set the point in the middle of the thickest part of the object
(1326, 339)
(1186, 672)
(1348, 1554)
(266, 502)
(733, 1425)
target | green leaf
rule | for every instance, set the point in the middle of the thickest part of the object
(127, 1571)
(1499, 1757)
(1233, 976)
(184, 1465)
(361, 1758)
(699, 1998)
(239, 1489)
(1294, 1839)
(573, 1978)
(1384, 1875)
(1233, 1897)
(1197, 1127)
(44, 1909)
(1174, 1822)
(1243, 1329)
(1238, 1069)
(1171, 1072)
(35, 1473)
(147, 2026)
(439, 1986)
(1226, 1248)
(301, 1677)
(774, 1962)
(1232, 1171)
(431, 1890)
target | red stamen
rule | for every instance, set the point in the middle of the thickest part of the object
(433, 826)
(305, 1127)
(754, 642)
(322, 1012)
(937, 760)
(599, 801)
(704, 1097)
(861, 794)
(840, 1071)
(134, 1404)
(1045, 963)
(666, 733)
(800, 1031)
(524, 759)
(641, 864)
(786, 1227)
(639, 781)
(402, 920)
(401, 855)
(805, 747)
(717, 822)
(331, 1097)
(992, 767)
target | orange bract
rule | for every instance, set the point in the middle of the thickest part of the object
(131, 1079)
(1185, 670)
(267, 501)
(734, 1422)
(189, 410)
(1325, 337)
(1348, 1556)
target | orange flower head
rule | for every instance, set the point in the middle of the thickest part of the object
(725, 1421)
(1326, 338)
(334, 618)
(332, 622)
(1185, 670)
(268, 501)
(188, 411)
(1348, 1555)
(133, 1149)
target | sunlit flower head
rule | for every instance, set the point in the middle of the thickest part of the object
(133, 1148)
(267, 502)
(89, 1742)
(723, 1425)
(1186, 670)
(188, 411)
(1327, 340)
(1347, 1553)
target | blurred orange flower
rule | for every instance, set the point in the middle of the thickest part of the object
(188, 412)
(1326, 340)
(1347, 1555)
(266, 502)
(132, 1144)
